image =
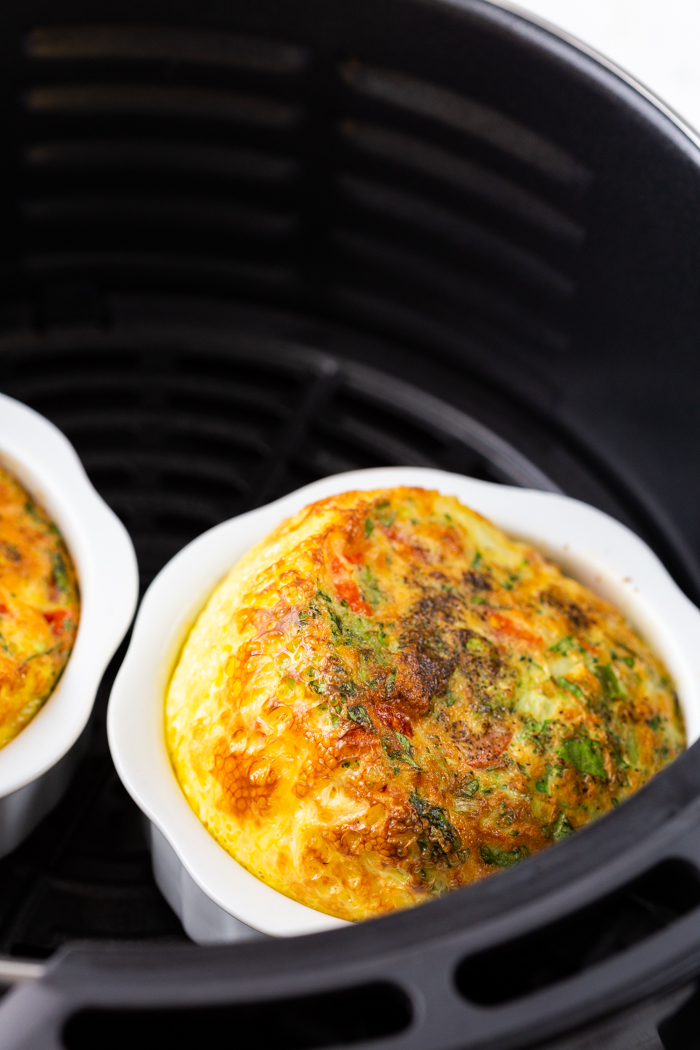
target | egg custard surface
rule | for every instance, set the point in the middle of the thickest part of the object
(39, 607)
(387, 698)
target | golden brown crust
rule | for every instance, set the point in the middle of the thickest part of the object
(39, 607)
(387, 698)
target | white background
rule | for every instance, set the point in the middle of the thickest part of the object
(657, 41)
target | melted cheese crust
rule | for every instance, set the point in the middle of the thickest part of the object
(39, 607)
(388, 698)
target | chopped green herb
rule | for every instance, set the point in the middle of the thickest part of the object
(632, 747)
(387, 519)
(476, 644)
(60, 572)
(543, 783)
(655, 723)
(611, 684)
(417, 802)
(502, 858)
(565, 645)
(570, 687)
(32, 510)
(470, 788)
(357, 630)
(476, 560)
(370, 587)
(316, 684)
(399, 747)
(42, 652)
(562, 828)
(629, 659)
(369, 527)
(539, 733)
(451, 698)
(585, 755)
(437, 818)
(359, 715)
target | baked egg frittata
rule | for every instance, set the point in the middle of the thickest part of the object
(39, 607)
(388, 698)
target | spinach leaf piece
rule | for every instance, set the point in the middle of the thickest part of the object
(543, 783)
(585, 755)
(402, 749)
(437, 818)
(359, 715)
(612, 687)
(503, 858)
(570, 687)
(417, 802)
(562, 828)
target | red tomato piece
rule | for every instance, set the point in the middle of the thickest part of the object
(56, 619)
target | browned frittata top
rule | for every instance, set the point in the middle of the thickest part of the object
(388, 698)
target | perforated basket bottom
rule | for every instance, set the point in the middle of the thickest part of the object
(184, 417)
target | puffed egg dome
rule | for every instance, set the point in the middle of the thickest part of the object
(39, 607)
(388, 698)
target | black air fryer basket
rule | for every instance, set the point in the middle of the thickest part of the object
(246, 245)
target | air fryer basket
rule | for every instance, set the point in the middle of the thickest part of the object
(249, 244)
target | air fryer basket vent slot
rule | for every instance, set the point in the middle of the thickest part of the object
(351, 1015)
(177, 442)
(246, 162)
(164, 44)
(594, 933)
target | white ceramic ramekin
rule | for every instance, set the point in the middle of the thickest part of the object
(36, 766)
(216, 898)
